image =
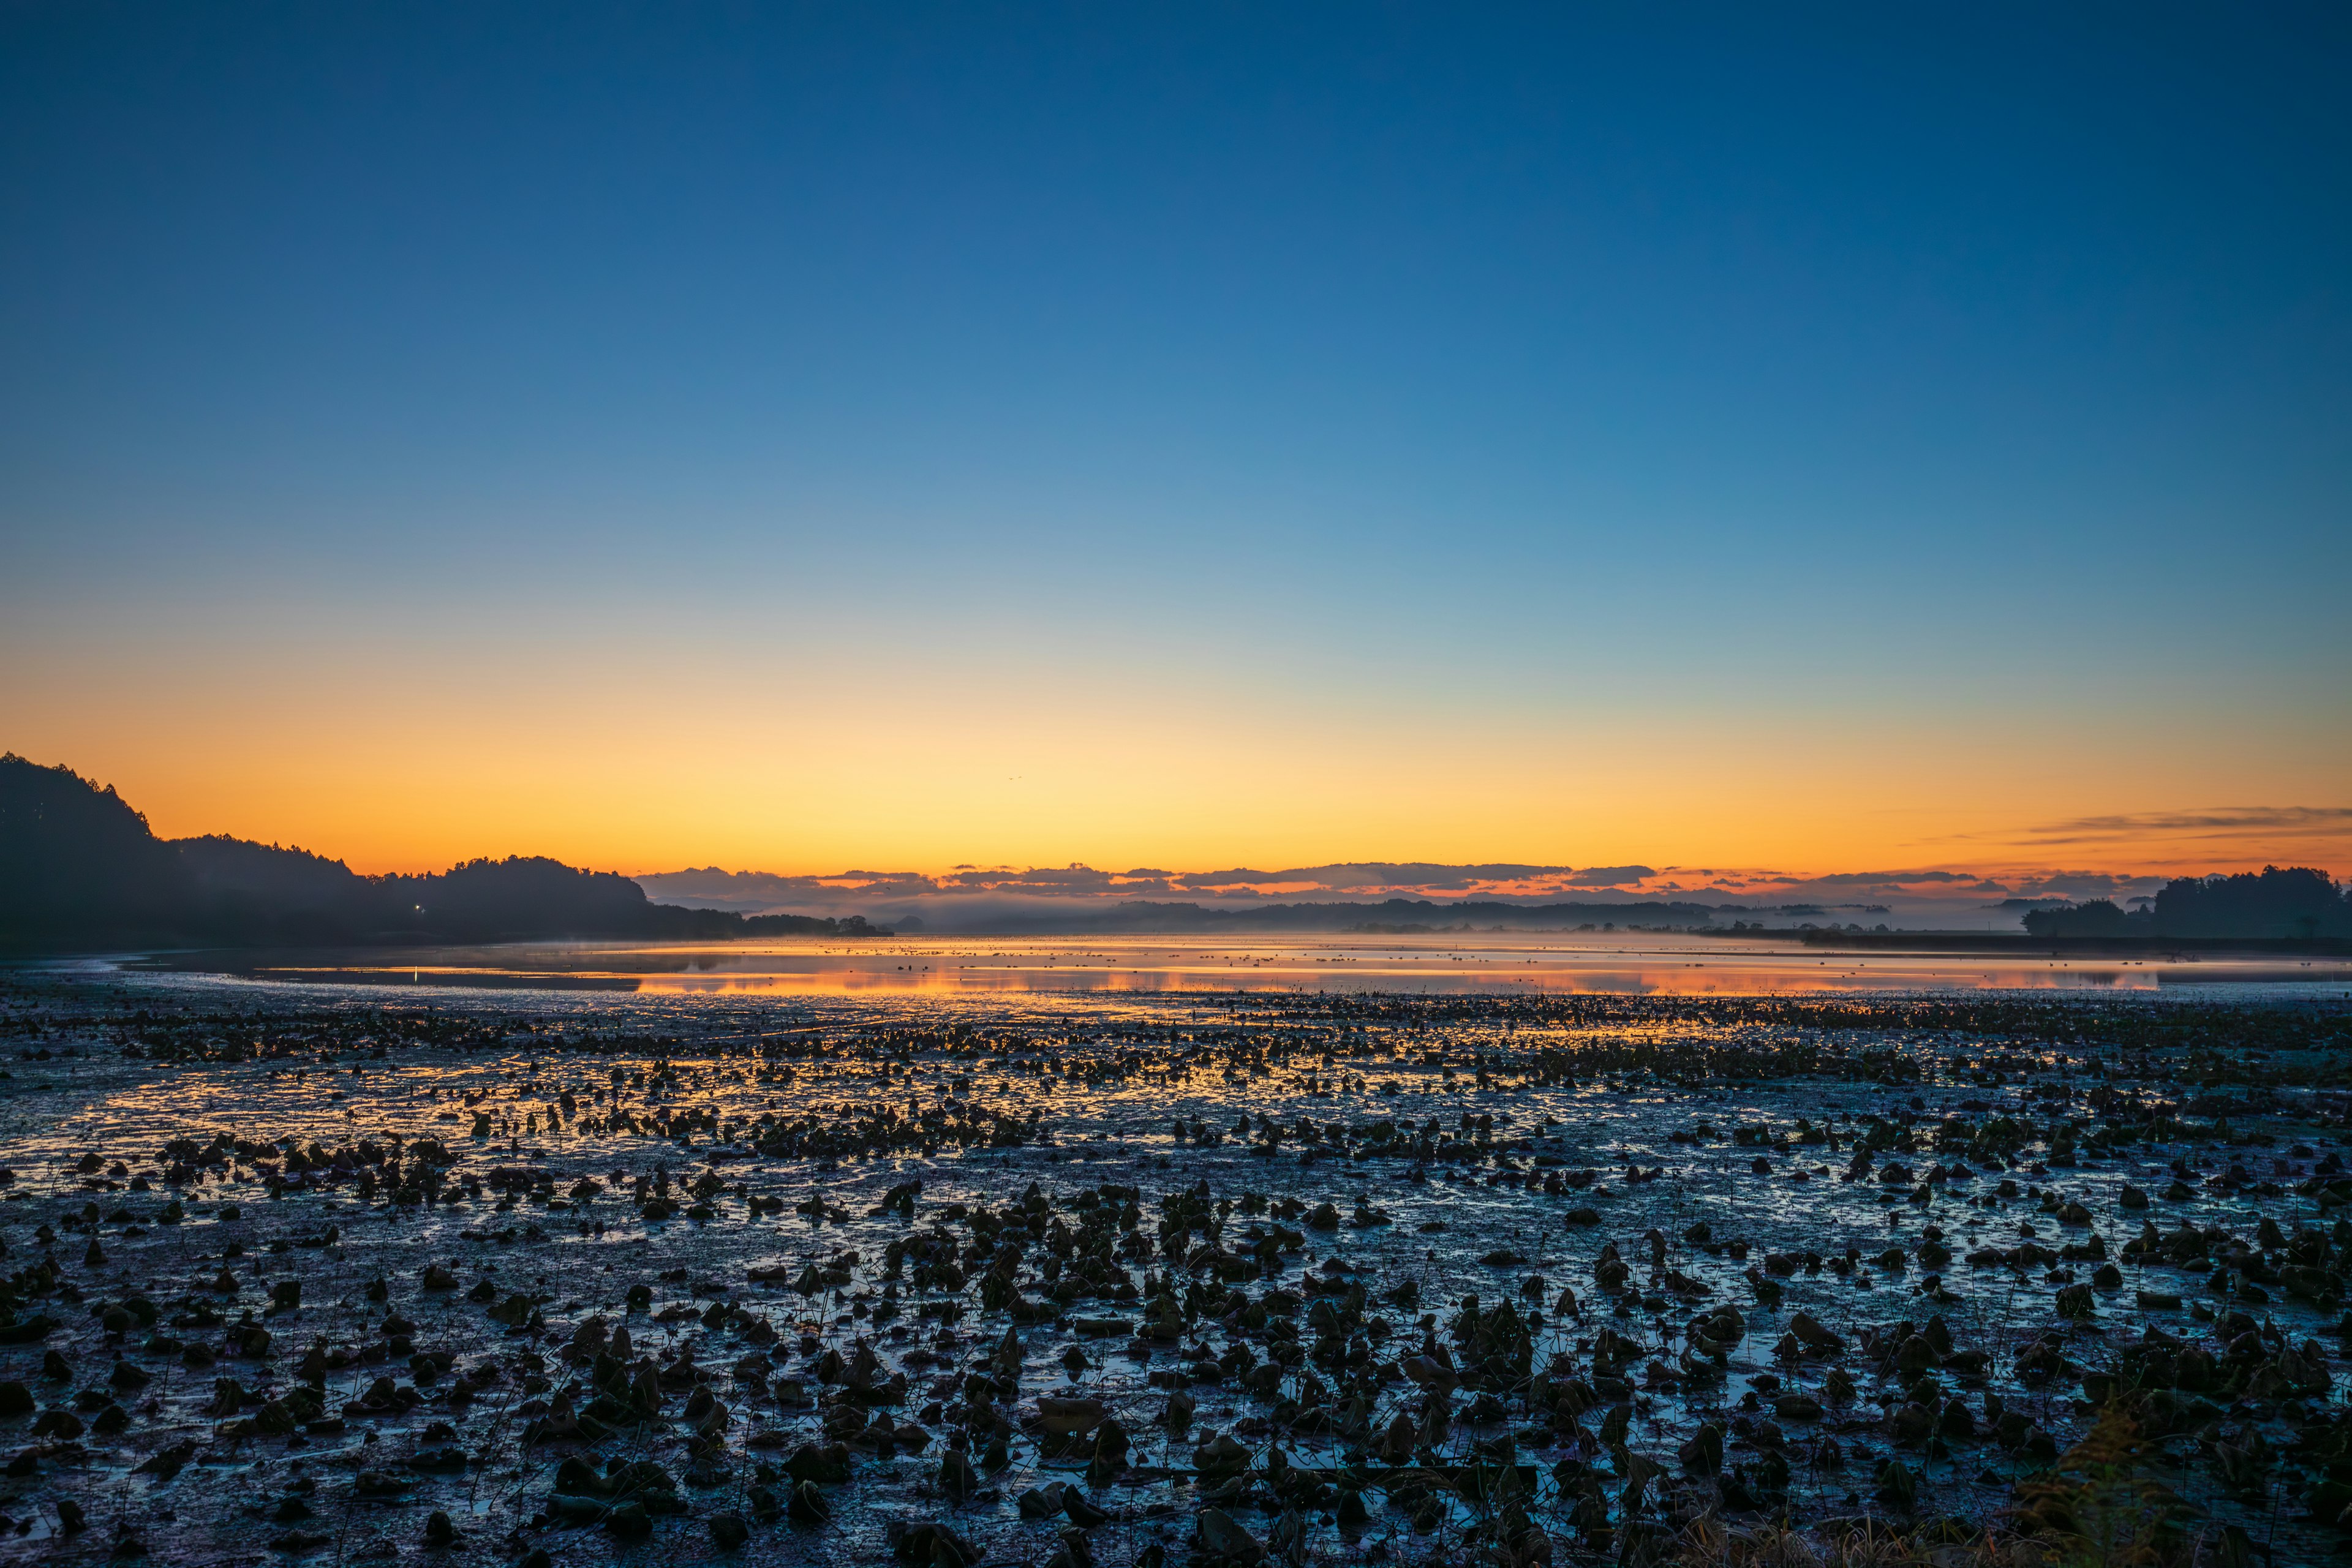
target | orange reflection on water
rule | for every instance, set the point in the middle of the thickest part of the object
(1440, 964)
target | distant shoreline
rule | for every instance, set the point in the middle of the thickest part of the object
(2020, 944)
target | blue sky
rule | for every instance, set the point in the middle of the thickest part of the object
(1833, 363)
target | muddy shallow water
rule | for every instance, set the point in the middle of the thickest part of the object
(1459, 962)
(1695, 1229)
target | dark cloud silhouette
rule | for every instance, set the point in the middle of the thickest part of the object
(1080, 884)
(1371, 876)
(1609, 877)
(2079, 884)
(975, 896)
(2215, 822)
(1888, 879)
(1507, 880)
(1064, 880)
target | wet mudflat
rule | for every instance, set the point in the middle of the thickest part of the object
(309, 1275)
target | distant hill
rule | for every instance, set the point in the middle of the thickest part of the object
(80, 870)
(2268, 904)
(79, 866)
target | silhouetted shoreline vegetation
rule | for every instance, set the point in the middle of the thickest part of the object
(2295, 903)
(80, 870)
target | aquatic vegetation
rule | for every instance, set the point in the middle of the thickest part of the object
(1275, 1279)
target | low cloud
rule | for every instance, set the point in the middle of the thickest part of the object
(1610, 877)
(1367, 881)
(969, 895)
(2213, 823)
(1890, 879)
(2084, 885)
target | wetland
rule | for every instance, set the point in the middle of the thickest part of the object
(329, 1271)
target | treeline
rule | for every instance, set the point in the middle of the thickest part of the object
(2268, 904)
(80, 870)
(1392, 915)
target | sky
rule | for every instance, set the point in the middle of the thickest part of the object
(1794, 442)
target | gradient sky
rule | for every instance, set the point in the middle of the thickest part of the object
(801, 438)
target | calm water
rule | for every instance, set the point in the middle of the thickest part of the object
(1634, 964)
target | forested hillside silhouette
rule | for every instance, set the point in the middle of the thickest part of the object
(2268, 904)
(80, 870)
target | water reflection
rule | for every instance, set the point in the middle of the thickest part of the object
(1617, 964)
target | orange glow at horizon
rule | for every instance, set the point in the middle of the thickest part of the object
(644, 774)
